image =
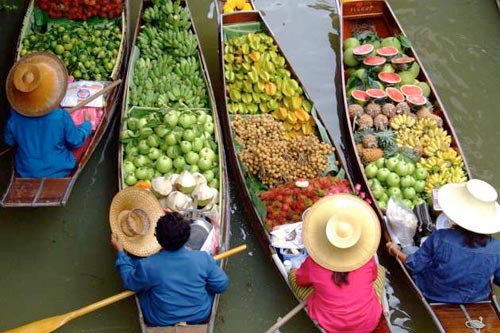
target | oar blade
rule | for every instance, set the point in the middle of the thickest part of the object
(41, 326)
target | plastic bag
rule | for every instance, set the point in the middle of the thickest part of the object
(287, 236)
(401, 221)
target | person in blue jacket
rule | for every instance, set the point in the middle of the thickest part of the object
(457, 265)
(176, 284)
(42, 134)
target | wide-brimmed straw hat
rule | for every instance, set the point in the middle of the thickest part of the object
(133, 215)
(472, 205)
(36, 84)
(341, 232)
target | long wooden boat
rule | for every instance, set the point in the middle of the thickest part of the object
(133, 107)
(255, 189)
(362, 19)
(40, 192)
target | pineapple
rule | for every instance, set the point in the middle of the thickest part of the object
(369, 141)
(369, 155)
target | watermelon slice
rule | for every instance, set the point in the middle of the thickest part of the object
(395, 95)
(411, 90)
(387, 51)
(360, 52)
(389, 78)
(402, 63)
(374, 61)
(360, 96)
(376, 93)
(416, 100)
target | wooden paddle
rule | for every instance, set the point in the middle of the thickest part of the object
(81, 104)
(94, 96)
(53, 323)
(287, 317)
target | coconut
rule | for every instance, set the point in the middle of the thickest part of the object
(161, 186)
(176, 201)
(203, 194)
(185, 182)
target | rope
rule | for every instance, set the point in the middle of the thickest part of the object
(474, 324)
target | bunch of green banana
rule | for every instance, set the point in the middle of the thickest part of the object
(168, 14)
(187, 67)
(179, 43)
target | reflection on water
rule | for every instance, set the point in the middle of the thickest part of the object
(58, 259)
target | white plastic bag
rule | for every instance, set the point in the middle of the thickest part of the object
(401, 221)
(287, 236)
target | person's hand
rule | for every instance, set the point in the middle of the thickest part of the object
(392, 248)
(86, 115)
(116, 243)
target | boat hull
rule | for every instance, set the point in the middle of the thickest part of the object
(253, 216)
(43, 192)
(224, 197)
(377, 16)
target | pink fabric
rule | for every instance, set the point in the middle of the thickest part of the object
(351, 308)
(95, 114)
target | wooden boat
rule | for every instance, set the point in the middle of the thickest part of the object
(376, 16)
(40, 192)
(221, 217)
(251, 187)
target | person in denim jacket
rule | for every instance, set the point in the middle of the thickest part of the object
(456, 265)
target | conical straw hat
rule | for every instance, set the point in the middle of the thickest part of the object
(36, 84)
(133, 215)
(341, 232)
(472, 205)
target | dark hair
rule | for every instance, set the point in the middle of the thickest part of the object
(340, 278)
(473, 239)
(172, 231)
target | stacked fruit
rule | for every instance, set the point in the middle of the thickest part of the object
(258, 81)
(168, 72)
(81, 9)
(159, 143)
(235, 5)
(287, 202)
(89, 51)
(388, 103)
(273, 158)
(396, 176)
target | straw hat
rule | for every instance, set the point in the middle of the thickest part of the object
(36, 84)
(133, 215)
(341, 232)
(471, 205)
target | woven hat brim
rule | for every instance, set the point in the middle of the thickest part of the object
(329, 256)
(38, 103)
(128, 199)
(468, 212)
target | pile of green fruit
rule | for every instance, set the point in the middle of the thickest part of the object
(398, 177)
(89, 51)
(159, 143)
(168, 72)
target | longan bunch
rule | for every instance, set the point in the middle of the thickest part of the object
(275, 159)
(250, 129)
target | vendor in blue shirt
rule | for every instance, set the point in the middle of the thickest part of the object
(456, 265)
(42, 134)
(176, 284)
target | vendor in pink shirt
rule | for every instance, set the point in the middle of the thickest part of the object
(341, 233)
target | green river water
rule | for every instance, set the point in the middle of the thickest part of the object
(55, 260)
